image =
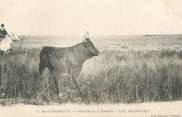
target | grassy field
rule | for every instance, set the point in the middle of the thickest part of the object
(129, 69)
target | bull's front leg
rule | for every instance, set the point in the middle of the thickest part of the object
(74, 75)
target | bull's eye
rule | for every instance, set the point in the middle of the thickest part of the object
(86, 45)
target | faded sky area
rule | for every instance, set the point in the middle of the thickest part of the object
(99, 17)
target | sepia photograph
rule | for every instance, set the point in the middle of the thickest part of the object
(91, 58)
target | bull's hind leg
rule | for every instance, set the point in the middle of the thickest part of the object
(56, 85)
(51, 69)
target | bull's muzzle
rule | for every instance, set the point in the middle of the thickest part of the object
(97, 53)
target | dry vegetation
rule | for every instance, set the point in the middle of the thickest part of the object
(122, 75)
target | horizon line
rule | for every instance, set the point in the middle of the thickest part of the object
(103, 34)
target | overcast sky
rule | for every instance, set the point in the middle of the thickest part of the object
(99, 17)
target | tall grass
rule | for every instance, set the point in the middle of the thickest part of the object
(113, 77)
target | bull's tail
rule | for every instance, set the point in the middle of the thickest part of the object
(45, 60)
(40, 68)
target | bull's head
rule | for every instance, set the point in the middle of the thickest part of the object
(89, 49)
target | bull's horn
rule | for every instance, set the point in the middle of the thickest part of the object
(86, 35)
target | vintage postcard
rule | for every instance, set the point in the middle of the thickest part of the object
(119, 58)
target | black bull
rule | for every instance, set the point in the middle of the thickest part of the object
(67, 60)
